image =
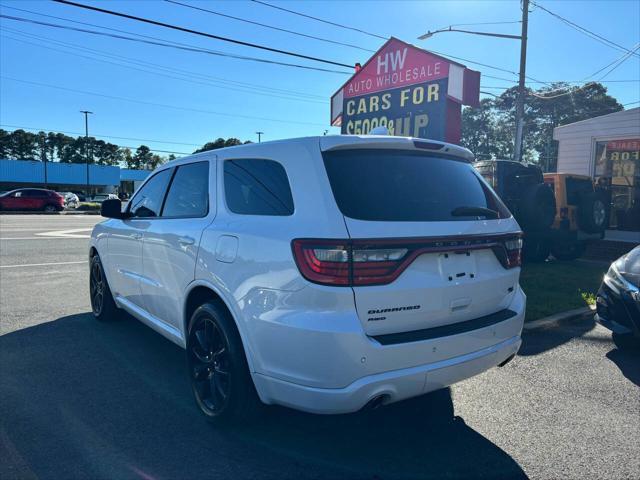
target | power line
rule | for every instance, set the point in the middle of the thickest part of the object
(221, 79)
(269, 26)
(571, 91)
(166, 43)
(192, 77)
(202, 34)
(120, 146)
(179, 46)
(164, 105)
(320, 20)
(567, 81)
(100, 136)
(585, 31)
(620, 61)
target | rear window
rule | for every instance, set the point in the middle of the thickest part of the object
(393, 185)
(577, 188)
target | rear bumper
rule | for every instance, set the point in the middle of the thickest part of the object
(340, 372)
(392, 386)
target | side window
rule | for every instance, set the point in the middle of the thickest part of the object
(189, 192)
(148, 201)
(257, 187)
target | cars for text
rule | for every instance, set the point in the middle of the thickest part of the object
(327, 274)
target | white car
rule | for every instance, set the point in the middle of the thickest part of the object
(70, 199)
(327, 274)
(101, 197)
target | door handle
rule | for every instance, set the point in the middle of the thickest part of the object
(185, 241)
(135, 236)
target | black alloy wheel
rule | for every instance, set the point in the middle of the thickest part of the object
(209, 365)
(97, 286)
(102, 304)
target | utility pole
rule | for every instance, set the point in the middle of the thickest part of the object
(259, 136)
(86, 142)
(517, 151)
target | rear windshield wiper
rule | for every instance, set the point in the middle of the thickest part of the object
(474, 212)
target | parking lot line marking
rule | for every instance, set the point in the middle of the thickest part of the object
(44, 238)
(72, 233)
(42, 264)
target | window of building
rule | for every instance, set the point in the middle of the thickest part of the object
(617, 170)
(257, 187)
(189, 192)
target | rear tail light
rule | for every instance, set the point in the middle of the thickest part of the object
(513, 246)
(379, 262)
(322, 261)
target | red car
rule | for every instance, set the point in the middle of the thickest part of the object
(32, 199)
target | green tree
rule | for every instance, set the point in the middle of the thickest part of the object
(106, 153)
(5, 143)
(488, 130)
(141, 159)
(482, 132)
(219, 143)
(23, 145)
(154, 162)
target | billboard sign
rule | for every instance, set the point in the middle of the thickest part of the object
(410, 91)
(407, 111)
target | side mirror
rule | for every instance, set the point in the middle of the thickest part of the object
(112, 208)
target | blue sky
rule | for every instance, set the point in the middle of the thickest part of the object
(297, 98)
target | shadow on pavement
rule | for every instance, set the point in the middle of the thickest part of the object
(91, 400)
(627, 357)
(540, 340)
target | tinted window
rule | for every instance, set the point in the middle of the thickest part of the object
(189, 192)
(577, 188)
(388, 185)
(257, 187)
(148, 201)
(34, 193)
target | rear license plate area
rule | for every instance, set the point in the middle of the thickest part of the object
(458, 267)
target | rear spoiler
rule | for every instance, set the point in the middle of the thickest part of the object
(348, 142)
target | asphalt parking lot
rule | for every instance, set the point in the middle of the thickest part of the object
(81, 399)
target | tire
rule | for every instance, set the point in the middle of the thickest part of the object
(218, 371)
(102, 304)
(626, 341)
(538, 208)
(535, 251)
(50, 209)
(593, 214)
(568, 251)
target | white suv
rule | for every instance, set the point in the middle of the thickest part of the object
(327, 274)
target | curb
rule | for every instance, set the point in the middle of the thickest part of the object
(558, 317)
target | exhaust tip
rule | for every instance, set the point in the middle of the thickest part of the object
(375, 402)
(507, 360)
